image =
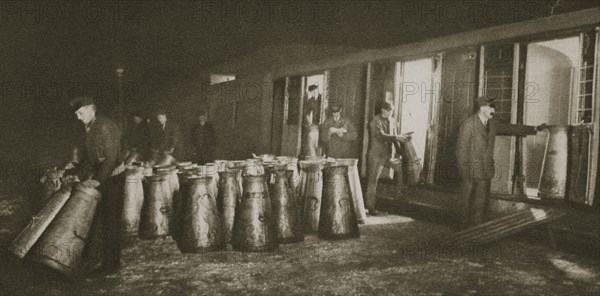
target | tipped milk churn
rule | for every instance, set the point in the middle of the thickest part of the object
(338, 219)
(154, 220)
(201, 228)
(311, 182)
(285, 208)
(253, 228)
(133, 199)
(355, 188)
(61, 246)
(227, 198)
(32, 232)
(553, 180)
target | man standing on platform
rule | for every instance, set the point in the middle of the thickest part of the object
(475, 156)
(100, 164)
(338, 134)
(165, 137)
(382, 138)
(203, 139)
(135, 138)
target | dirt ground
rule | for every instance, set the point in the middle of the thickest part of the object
(394, 255)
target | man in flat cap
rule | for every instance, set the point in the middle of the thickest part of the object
(203, 139)
(383, 134)
(165, 136)
(135, 139)
(337, 134)
(475, 156)
(100, 164)
(310, 123)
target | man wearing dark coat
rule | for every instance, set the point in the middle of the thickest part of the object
(382, 134)
(309, 146)
(338, 134)
(135, 137)
(165, 136)
(100, 164)
(475, 156)
(203, 139)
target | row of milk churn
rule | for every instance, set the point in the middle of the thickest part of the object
(247, 205)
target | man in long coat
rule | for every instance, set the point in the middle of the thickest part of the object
(475, 156)
(203, 139)
(165, 137)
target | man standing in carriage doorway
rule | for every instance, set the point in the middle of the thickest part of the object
(337, 134)
(382, 137)
(310, 124)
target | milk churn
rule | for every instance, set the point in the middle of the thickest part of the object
(253, 228)
(285, 208)
(241, 165)
(311, 182)
(32, 232)
(291, 164)
(61, 246)
(133, 199)
(209, 170)
(171, 174)
(253, 167)
(553, 180)
(223, 165)
(338, 219)
(201, 228)
(154, 220)
(227, 198)
(355, 188)
(411, 163)
(175, 224)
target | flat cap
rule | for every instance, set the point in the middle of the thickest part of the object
(79, 102)
(335, 107)
(485, 101)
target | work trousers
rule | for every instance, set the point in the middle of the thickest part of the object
(374, 169)
(474, 202)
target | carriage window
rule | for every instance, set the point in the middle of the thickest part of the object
(585, 94)
(498, 78)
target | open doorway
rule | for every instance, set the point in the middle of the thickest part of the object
(548, 94)
(415, 105)
(312, 116)
(298, 106)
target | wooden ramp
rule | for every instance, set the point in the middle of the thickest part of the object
(502, 227)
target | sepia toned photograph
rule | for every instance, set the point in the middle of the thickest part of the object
(300, 147)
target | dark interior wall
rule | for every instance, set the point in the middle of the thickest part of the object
(241, 113)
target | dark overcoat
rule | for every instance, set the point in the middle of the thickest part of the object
(102, 146)
(336, 146)
(475, 146)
